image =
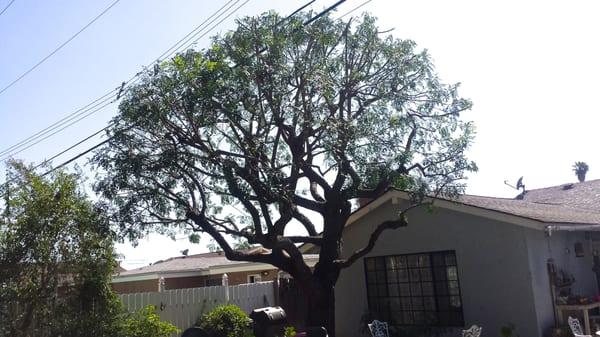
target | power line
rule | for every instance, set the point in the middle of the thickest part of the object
(198, 27)
(296, 12)
(354, 9)
(70, 148)
(77, 156)
(18, 147)
(10, 150)
(6, 7)
(105, 128)
(100, 107)
(214, 26)
(329, 9)
(58, 48)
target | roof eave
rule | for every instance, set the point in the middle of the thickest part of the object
(395, 196)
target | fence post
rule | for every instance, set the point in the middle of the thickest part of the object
(276, 288)
(225, 284)
(161, 284)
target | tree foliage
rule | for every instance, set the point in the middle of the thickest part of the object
(56, 258)
(276, 121)
(146, 323)
(580, 168)
(226, 321)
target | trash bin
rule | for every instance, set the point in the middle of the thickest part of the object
(268, 322)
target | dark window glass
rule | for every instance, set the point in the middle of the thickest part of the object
(426, 274)
(415, 289)
(213, 282)
(427, 288)
(403, 275)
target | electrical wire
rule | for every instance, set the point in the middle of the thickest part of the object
(18, 147)
(193, 41)
(12, 150)
(354, 9)
(4, 158)
(6, 7)
(108, 126)
(58, 48)
(105, 128)
(70, 148)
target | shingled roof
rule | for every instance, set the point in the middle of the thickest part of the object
(551, 213)
(192, 263)
(573, 203)
(584, 195)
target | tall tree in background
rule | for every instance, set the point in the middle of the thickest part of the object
(56, 259)
(580, 168)
(275, 125)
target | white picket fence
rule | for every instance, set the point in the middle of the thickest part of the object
(183, 307)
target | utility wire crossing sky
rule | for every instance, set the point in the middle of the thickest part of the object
(530, 69)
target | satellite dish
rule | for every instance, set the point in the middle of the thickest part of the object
(185, 252)
(520, 184)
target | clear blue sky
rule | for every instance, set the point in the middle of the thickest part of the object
(531, 69)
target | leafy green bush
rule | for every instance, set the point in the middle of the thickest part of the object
(289, 331)
(226, 321)
(146, 323)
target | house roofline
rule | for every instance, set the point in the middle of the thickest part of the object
(231, 268)
(395, 196)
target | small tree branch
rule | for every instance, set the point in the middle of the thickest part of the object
(390, 224)
(316, 240)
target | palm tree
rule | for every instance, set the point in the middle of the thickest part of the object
(580, 168)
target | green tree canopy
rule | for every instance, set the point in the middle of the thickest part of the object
(56, 258)
(278, 120)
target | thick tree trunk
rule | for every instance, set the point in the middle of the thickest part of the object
(321, 305)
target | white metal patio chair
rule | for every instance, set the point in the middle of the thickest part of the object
(576, 327)
(473, 331)
(379, 329)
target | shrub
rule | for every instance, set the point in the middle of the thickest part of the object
(290, 331)
(226, 321)
(146, 323)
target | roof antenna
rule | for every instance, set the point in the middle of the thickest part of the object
(519, 186)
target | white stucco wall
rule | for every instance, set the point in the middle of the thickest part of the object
(493, 265)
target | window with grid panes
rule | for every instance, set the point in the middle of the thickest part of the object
(415, 289)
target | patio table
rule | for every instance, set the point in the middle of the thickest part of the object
(578, 307)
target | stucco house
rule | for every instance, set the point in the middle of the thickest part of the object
(198, 270)
(474, 260)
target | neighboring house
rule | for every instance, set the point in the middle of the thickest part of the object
(193, 271)
(473, 260)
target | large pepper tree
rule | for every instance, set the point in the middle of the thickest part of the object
(279, 125)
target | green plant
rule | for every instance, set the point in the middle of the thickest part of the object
(226, 321)
(146, 323)
(56, 257)
(289, 331)
(508, 330)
